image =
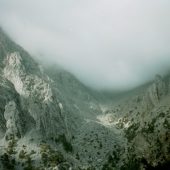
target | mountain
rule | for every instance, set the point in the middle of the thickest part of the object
(50, 120)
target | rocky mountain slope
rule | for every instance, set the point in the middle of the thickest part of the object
(49, 120)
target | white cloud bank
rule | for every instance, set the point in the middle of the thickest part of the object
(106, 43)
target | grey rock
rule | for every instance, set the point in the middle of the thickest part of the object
(12, 118)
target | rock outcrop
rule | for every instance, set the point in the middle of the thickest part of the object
(155, 93)
(37, 97)
(13, 121)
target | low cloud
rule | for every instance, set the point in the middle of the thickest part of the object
(107, 44)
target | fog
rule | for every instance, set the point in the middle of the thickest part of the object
(107, 44)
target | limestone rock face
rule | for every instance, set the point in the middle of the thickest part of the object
(155, 92)
(37, 97)
(7, 93)
(14, 71)
(13, 121)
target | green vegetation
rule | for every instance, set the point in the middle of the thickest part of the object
(50, 157)
(11, 146)
(7, 162)
(66, 145)
(87, 168)
(112, 160)
(109, 164)
(133, 164)
(166, 124)
(149, 128)
(22, 154)
(130, 133)
(29, 165)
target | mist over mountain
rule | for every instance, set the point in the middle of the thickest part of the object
(49, 120)
(106, 44)
(84, 85)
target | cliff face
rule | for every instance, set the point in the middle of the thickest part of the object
(37, 97)
(155, 92)
(49, 120)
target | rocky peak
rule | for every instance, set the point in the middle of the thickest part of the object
(14, 59)
(155, 92)
(160, 85)
(157, 89)
(37, 96)
(14, 71)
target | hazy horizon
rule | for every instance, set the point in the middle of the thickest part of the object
(107, 44)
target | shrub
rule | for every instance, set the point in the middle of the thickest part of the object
(66, 145)
(22, 154)
(7, 163)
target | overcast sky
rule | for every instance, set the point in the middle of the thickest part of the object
(114, 44)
